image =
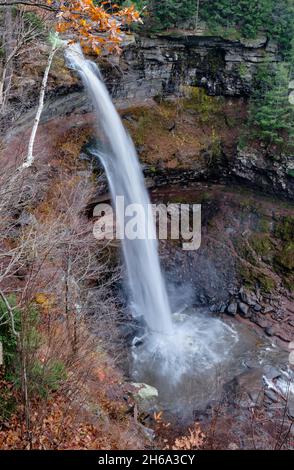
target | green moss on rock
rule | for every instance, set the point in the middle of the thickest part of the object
(264, 225)
(206, 107)
(244, 251)
(285, 259)
(285, 228)
(261, 244)
(253, 277)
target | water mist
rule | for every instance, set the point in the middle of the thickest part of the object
(185, 355)
(119, 158)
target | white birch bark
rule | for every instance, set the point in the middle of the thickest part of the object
(30, 155)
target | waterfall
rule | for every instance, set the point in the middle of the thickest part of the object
(125, 177)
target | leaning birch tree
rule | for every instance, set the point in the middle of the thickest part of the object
(55, 45)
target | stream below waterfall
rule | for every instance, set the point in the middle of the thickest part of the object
(208, 352)
(188, 356)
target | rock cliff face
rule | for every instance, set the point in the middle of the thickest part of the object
(159, 65)
(149, 67)
(257, 170)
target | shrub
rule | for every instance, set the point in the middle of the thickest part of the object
(46, 378)
(198, 101)
(7, 337)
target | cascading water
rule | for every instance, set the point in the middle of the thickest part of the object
(126, 179)
(187, 356)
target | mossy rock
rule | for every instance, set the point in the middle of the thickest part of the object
(145, 396)
(249, 205)
(244, 251)
(252, 278)
(285, 228)
(197, 100)
(285, 258)
(264, 225)
(261, 244)
(289, 283)
(144, 121)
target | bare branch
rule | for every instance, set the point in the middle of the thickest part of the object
(44, 6)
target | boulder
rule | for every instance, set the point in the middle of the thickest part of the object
(257, 308)
(247, 388)
(232, 308)
(269, 331)
(271, 372)
(244, 309)
(272, 396)
(250, 381)
(145, 396)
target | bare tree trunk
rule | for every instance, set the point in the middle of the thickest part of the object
(7, 66)
(30, 157)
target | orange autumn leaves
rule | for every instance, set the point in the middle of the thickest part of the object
(96, 27)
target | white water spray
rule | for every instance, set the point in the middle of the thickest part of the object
(188, 357)
(126, 179)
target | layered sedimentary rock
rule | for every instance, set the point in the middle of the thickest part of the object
(159, 65)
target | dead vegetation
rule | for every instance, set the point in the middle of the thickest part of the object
(188, 131)
(56, 282)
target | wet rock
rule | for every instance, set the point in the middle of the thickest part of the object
(162, 57)
(250, 379)
(257, 308)
(271, 395)
(278, 315)
(232, 308)
(132, 333)
(202, 299)
(269, 331)
(145, 395)
(213, 308)
(244, 309)
(222, 308)
(247, 388)
(247, 298)
(271, 372)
